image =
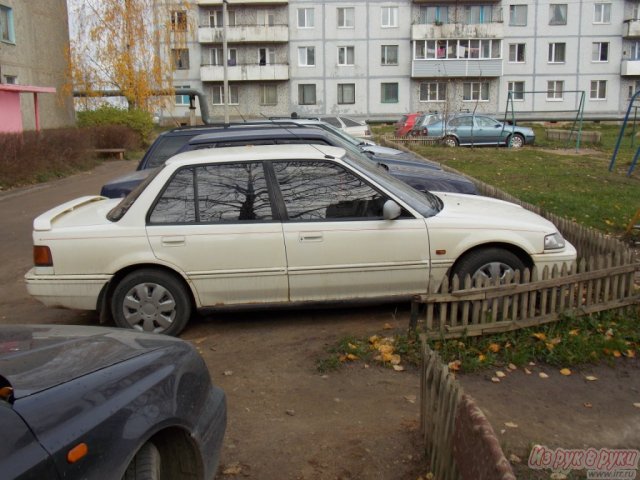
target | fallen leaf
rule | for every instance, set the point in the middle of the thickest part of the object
(514, 458)
(374, 339)
(532, 364)
(630, 353)
(352, 357)
(387, 326)
(291, 412)
(587, 405)
(512, 367)
(557, 476)
(591, 378)
(500, 374)
(609, 333)
(352, 346)
(574, 332)
(228, 373)
(395, 360)
(494, 347)
(511, 425)
(617, 354)
(410, 398)
(482, 357)
(495, 379)
(539, 336)
(543, 375)
(455, 365)
(233, 469)
(398, 368)
(565, 371)
(637, 405)
(527, 371)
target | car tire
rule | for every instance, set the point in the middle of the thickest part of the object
(516, 141)
(450, 141)
(146, 465)
(151, 301)
(489, 264)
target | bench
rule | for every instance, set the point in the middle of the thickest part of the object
(111, 151)
(586, 136)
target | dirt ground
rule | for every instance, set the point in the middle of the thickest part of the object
(288, 421)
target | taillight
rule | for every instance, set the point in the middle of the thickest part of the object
(42, 256)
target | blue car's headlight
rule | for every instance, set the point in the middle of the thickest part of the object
(554, 241)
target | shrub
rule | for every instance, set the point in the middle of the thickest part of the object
(113, 136)
(138, 120)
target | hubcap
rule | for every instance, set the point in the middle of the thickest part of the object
(149, 307)
(494, 271)
(516, 142)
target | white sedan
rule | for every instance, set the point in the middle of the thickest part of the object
(272, 225)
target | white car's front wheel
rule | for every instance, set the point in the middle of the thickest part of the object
(490, 264)
(151, 301)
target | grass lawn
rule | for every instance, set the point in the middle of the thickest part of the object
(573, 185)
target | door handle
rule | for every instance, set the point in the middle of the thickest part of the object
(173, 241)
(310, 237)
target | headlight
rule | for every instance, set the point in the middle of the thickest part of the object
(553, 241)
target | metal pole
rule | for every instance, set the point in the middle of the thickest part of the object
(225, 85)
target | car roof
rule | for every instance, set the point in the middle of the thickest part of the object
(258, 132)
(257, 153)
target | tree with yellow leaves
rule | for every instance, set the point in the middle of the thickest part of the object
(126, 46)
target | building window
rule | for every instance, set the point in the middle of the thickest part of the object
(346, 56)
(266, 18)
(306, 18)
(217, 95)
(11, 79)
(215, 56)
(389, 17)
(266, 56)
(346, 17)
(307, 94)
(307, 56)
(475, 91)
(475, 14)
(179, 20)
(601, 13)
(433, 92)
(389, 54)
(518, 15)
(6, 24)
(600, 52)
(555, 89)
(180, 58)
(556, 53)
(558, 14)
(434, 15)
(517, 91)
(633, 88)
(268, 94)
(389, 93)
(215, 18)
(598, 90)
(346, 93)
(182, 100)
(516, 52)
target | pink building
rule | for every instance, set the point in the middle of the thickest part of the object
(10, 110)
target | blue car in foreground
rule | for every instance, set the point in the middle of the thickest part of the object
(97, 403)
(470, 129)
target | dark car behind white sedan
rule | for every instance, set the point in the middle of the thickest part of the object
(95, 403)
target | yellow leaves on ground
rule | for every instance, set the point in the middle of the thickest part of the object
(494, 347)
(565, 371)
(386, 351)
(539, 336)
(590, 378)
(455, 365)
(574, 333)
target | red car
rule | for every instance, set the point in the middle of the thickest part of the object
(405, 124)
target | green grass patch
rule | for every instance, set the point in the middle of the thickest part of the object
(569, 342)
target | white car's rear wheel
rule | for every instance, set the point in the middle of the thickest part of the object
(151, 301)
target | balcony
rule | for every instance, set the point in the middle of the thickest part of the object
(245, 33)
(631, 29)
(456, 68)
(630, 68)
(206, 3)
(252, 72)
(457, 30)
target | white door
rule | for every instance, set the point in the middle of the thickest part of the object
(216, 224)
(337, 244)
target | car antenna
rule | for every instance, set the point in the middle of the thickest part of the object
(284, 126)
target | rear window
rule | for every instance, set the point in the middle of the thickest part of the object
(165, 148)
(332, 121)
(351, 123)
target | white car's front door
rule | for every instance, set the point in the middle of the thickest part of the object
(216, 224)
(338, 245)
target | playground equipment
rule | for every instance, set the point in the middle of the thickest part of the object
(632, 106)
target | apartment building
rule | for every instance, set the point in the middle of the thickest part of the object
(34, 37)
(379, 59)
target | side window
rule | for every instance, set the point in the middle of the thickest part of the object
(225, 193)
(485, 122)
(315, 191)
(166, 148)
(461, 122)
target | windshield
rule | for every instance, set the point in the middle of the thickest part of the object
(426, 203)
(117, 212)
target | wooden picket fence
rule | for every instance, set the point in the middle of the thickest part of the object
(412, 141)
(471, 308)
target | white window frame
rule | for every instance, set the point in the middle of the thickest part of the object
(633, 88)
(346, 17)
(343, 56)
(270, 56)
(478, 91)
(552, 6)
(436, 14)
(474, 49)
(215, 56)
(513, 22)
(600, 90)
(553, 52)
(215, 18)
(602, 13)
(343, 88)
(303, 56)
(516, 49)
(180, 100)
(266, 18)
(384, 55)
(308, 18)
(555, 94)
(597, 51)
(517, 95)
(264, 89)
(389, 17)
(219, 92)
(432, 92)
(301, 95)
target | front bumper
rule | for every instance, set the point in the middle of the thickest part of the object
(68, 291)
(210, 431)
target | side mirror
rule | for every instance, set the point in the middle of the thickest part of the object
(391, 210)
